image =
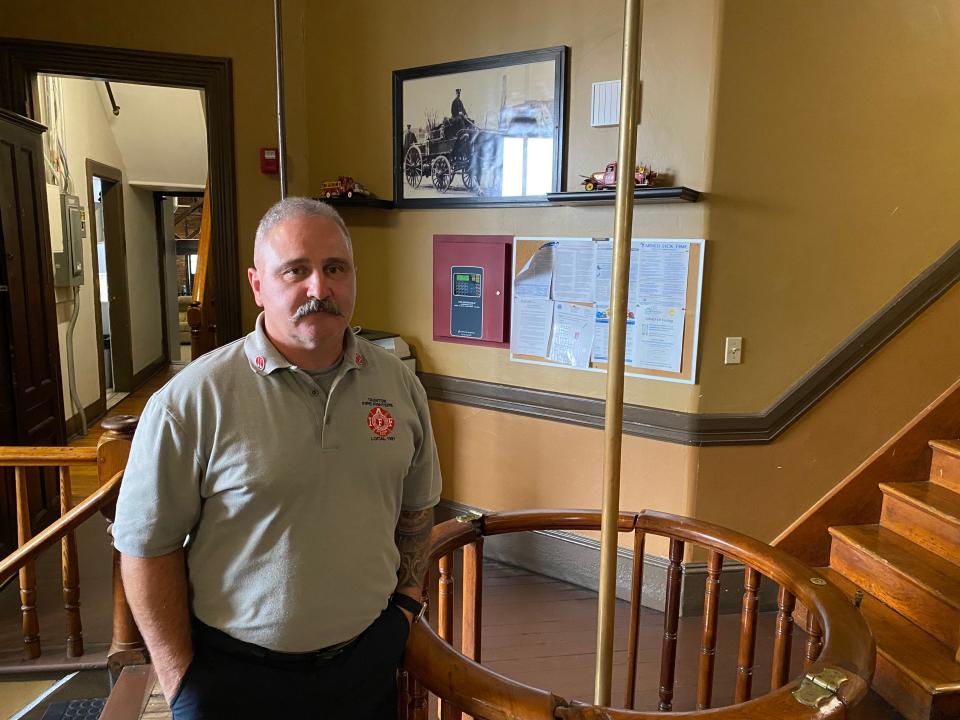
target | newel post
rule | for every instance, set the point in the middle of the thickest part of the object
(127, 646)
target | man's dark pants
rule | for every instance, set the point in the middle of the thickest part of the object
(227, 680)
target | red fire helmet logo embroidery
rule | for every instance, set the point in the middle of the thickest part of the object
(380, 422)
(358, 359)
(260, 362)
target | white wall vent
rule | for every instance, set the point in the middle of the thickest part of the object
(606, 104)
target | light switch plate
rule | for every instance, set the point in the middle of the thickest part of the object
(733, 353)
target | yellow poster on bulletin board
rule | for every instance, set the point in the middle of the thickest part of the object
(561, 296)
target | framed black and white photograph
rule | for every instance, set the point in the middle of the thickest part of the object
(482, 131)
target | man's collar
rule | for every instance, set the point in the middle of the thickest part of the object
(264, 357)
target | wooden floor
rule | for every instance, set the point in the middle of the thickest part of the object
(536, 630)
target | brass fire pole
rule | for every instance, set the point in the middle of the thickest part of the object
(619, 284)
(281, 112)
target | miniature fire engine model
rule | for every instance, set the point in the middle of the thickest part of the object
(343, 186)
(607, 179)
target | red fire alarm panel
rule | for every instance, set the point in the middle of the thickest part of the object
(471, 282)
(269, 161)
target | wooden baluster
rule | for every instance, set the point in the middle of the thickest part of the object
(70, 572)
(472, 612)
(668, 652)
(748, 635)
(28, 577)
(418, 700)
(708, 639)
(783, 639)
(445, 620)
(403, 694)
(418, 697)
(126, 646)
(814, 640)
(636, 601)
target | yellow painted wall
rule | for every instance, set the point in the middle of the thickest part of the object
(834, 182)
(822, 132)
(349, 116)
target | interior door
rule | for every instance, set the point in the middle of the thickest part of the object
(31, 396)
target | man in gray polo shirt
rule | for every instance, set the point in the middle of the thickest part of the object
(278, 500)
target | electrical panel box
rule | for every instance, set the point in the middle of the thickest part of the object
(68, 263)
(471, 284)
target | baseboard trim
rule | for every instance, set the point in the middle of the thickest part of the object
(575, 559)
(146, 373)
(93, 412)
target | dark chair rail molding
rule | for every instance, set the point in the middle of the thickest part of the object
(21, 59)
(717, 429)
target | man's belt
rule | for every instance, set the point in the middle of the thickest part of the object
(219, 640)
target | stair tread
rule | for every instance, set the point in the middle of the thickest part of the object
(938, 576)
(951, 447)
(935, 499)
(921, 656)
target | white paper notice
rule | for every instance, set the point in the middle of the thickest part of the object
(663, 273)
(604, 271)
(532, 318)
(601, 335)
(574, 270)
(535, 277)
(572, 340)
(659, 337)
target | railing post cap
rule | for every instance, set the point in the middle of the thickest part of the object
(122, 425)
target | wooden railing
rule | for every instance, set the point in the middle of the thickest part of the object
(202, 313)
(839, 651)
(109, 458)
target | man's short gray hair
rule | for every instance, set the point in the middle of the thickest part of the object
(292, 208)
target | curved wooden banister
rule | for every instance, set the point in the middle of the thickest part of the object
(470, 687)
(56, 531)
(517, 520)
(46, 456)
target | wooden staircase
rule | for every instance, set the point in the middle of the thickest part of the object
(908, 567)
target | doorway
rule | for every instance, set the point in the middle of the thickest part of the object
(112, 303)
(178, 226)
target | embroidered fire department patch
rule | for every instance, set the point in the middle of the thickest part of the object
(380, 422)
(260, 362)
(358, 359)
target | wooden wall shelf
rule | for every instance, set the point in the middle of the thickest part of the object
(582, 197)
(358, 201)
(640, 195)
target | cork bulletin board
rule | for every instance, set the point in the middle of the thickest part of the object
(564, 278)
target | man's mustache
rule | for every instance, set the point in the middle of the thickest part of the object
(313, 305)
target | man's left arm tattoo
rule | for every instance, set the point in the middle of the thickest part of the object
(413, 538)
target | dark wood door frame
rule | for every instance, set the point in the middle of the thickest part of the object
(115, 252)
(21, 60)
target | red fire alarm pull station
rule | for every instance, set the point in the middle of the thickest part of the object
(269, 161)
(471, 282)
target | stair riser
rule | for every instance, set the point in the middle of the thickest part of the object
(899, 592)
(945, 470)
(908, 698)
(899, 689)
(932, 532)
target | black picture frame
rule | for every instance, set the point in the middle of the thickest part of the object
(495, 154)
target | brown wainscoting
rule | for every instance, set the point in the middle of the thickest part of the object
(21, 60)
(93, 412)
(718, 428)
